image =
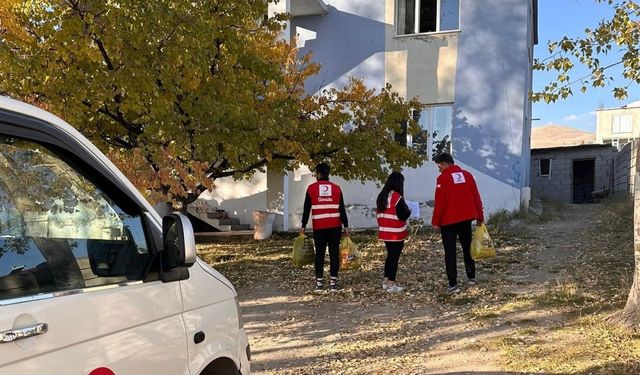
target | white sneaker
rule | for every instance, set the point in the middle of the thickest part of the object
(385, 286)
(395, 289)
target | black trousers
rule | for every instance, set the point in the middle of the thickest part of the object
(322, 238)
(394, 248)
(450, 233)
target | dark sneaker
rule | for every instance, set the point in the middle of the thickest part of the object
(472, 281)
(453, 289)
(319, 285)
(333, 285)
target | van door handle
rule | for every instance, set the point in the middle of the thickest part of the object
(23, 333)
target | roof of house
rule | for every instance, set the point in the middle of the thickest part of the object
(571, 148)
(635, 104)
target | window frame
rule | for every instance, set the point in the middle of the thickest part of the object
(416, 22)
(408, 141)
(617, 122)
(548, 174)
(82, 162)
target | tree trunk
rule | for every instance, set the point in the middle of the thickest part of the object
(630, 315)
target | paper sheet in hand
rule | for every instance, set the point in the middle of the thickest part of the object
(414, 207)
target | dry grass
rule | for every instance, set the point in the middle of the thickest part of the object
(555, 326)
(592, 286)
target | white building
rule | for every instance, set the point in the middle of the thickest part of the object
(469, 61)
(618, 126)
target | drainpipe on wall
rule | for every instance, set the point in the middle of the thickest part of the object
(525, 197)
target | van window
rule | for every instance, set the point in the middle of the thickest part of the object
(58, 230)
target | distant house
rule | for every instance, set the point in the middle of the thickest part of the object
(618, 126)
(571, 174)
(468, 61)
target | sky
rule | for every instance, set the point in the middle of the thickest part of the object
(558, 18)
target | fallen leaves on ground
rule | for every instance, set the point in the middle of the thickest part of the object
(551, 282)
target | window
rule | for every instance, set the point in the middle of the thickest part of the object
(545, 168)
(618, 143)
(426, 16)
(621, 124)
(402, 136)
(435, 134)
(58, 231)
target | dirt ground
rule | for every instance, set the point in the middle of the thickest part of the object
(523, 296)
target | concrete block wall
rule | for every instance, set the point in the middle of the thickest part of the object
(633, 165)
(624, 167)
(559, 184)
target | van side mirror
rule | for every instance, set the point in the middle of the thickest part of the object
(179, 242)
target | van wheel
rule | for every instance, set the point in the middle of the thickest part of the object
(221, 366)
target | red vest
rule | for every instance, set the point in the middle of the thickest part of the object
(389, 227)
(325, 204)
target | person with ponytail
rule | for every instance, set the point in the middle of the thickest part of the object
(392, 214)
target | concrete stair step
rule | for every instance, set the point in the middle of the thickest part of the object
(230, 221)
(227, 228)
(241, 227)
(224, 225)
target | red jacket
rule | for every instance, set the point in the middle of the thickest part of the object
(457, 198)
(390, 228)
(325, 204)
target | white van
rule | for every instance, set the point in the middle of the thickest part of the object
(92, 280)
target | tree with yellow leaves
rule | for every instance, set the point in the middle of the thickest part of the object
(620, 33)
(179, 93)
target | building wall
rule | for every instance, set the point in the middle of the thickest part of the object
(559, 184)
(239, 198)
(604, 121)
(625, 167)
(419, 186)
(349, 41)
(491, 128)
(422, 66)
(483, 70)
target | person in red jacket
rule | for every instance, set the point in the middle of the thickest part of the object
(325, 203)
(457, 204)
(392, 214)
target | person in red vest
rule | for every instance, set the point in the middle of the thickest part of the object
(392, 214)
(325, 204)
(457, 204)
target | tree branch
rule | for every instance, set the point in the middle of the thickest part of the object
(118, 117)
(103, 51)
